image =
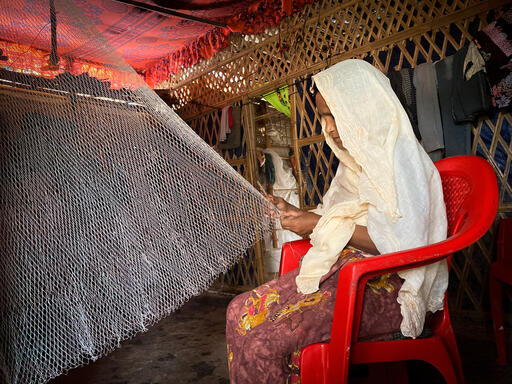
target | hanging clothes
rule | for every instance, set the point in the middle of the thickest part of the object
(270, 171)
(403, 85)
(429, 115)
(457, 137)
(495, 43)
(471, 96)
(234, 138)
(280, 100)
(224, 123)
(461, 100)
(267, 173)
(285, 186)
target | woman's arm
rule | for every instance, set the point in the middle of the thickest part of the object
(303, 222)
(362, 241)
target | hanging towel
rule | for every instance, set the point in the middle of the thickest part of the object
(427, 105)
(457, 137)
(224, 123)
(234, 139)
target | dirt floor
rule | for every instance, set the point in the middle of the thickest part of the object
(189, 347)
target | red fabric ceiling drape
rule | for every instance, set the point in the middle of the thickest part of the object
(25, 59)
(155, 45)
(255, 19)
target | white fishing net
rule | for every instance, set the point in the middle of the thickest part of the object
(113, 212)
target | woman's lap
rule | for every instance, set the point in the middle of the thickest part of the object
(269, 323)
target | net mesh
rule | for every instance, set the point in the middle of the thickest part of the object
(113, 212)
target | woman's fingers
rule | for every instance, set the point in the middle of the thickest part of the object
(272, 213)
(298, 221)
(278, 200)
(281, 204)
(292, 221)
(286, 222)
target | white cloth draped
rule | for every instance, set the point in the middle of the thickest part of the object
(385, 181)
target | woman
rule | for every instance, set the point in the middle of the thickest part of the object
(386, 196)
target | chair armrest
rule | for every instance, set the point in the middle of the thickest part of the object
(293, 251)
(411, 258)
(291, 254)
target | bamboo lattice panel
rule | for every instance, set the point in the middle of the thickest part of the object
(247, 273)
(273, 130)
(323, 33)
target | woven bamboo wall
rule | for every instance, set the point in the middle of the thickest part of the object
(390, 35)
(325, 32)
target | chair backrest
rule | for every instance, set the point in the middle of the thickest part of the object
(470, 194)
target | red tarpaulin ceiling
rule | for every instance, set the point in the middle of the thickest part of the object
(140, 36)
(150, 42)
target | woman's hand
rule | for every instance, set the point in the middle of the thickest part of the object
(299, 221)
(281, 204)
(295, 219)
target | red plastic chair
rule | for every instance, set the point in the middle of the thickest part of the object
(501, 273)
(471, 197)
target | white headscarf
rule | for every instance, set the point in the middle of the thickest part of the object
(385, 181)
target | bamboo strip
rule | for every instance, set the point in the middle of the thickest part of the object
(295, 144)
(249, 114)
(310, 140)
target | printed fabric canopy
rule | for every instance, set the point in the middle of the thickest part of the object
(149, 41)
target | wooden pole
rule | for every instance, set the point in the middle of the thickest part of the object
(275, 243)
(250, 141)
(295, 141)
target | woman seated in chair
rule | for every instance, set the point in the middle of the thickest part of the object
(386, 196)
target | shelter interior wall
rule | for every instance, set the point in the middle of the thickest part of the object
(388, 34)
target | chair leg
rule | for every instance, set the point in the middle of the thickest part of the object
(451, 345)
(496, 292)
